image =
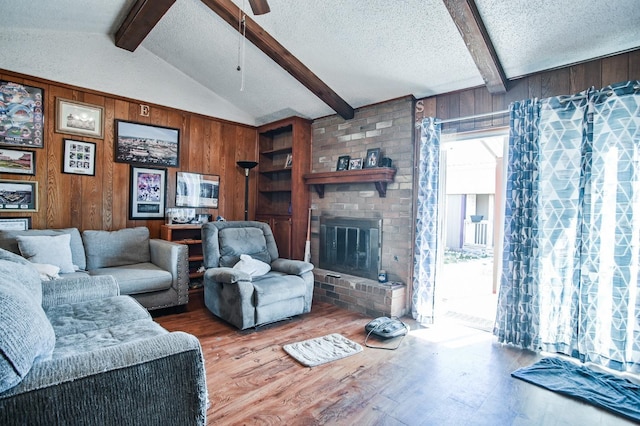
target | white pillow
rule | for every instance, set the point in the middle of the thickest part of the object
(52, 250)
(47, 272)
(251, 266)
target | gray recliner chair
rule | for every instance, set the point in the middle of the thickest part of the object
(247, 300)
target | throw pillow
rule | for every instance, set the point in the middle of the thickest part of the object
(48, 249)
(106, 249)
(27, 334)
(47, 272)
(251, 266)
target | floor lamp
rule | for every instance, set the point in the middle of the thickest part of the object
(246, 165)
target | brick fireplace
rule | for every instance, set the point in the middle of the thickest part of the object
(390, 127)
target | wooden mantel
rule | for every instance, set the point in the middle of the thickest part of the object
(380, 176)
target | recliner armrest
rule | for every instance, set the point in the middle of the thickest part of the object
(226, 275)
(291, 267)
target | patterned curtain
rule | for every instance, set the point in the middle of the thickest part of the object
(426, 249)
(570, 270)
(517, 314)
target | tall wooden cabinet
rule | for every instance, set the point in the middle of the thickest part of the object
(283, 198)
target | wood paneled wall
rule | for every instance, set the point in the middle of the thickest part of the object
(207, 145)
(564, 81)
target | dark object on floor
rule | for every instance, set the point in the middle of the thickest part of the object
(607, 391)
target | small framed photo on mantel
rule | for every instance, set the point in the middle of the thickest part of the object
(372, 158)
(343, 163)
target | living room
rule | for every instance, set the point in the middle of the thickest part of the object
(214, 134)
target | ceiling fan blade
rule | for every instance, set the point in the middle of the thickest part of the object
(259, 7)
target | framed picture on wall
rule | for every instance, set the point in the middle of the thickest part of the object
(17, 162)
(197, 190)
(15, 223)
(22, 123)
(147, 193)
(79, 118)
(144, 144)
(18, 196)
(79, 158)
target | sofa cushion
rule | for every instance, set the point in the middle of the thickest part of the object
(138, 278)
(8, 242)
(251, 266)
(236, 241)
(81, 317)
(276, 287)
(115, 248)
(49, 249)
(27, 335)
(20, 271)
(117, 334)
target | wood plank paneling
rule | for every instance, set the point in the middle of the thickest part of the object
(102, 201)
(563, 81)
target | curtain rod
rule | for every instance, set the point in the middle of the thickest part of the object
(473, 117)
(506, 111)
(597, 92)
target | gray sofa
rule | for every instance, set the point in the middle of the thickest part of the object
(153, 271)
(75, 352)
(263, 289)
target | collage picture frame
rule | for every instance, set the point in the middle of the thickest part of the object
(79, 157)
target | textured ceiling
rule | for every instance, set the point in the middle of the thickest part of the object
(366, 51)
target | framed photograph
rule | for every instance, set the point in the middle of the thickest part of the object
(147, 193)
(372, 158)
(197, 190)
(22, 122)
(15, 223)
(17, 162)
(343, 163)
(78, 118)
(355, 164)
(18, 196)
(145, 144)
(79, 158)
(289, 161)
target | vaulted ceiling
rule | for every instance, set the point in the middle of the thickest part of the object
(317, 57)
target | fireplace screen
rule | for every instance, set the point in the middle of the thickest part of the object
(351, 245)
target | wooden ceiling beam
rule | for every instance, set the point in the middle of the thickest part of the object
(143, 16)
(467, 18)
(229, 12)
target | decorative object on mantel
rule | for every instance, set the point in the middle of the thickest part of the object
(355, 164)
(380, 176)
(246, 165)
(343, 163)
(372, 158)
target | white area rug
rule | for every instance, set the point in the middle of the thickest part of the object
(323, 349)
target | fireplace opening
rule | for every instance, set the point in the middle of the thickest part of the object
(351, 245)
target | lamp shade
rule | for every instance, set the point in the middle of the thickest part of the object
(247, 164)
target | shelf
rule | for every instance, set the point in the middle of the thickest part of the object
(277, 170)
(271, 152)
(380, 176)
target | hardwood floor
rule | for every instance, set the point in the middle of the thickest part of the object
(441, 375)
